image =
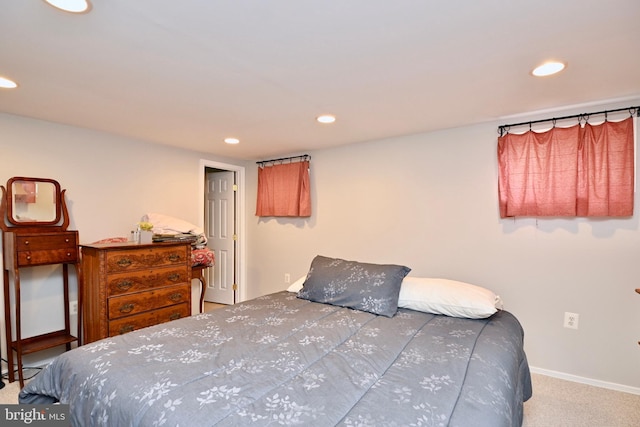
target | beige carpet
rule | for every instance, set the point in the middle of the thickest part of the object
(555, 403)
(9, 394)
(559, 403)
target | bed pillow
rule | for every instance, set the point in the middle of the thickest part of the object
(297, 285)
(448, 297)
(367, 287)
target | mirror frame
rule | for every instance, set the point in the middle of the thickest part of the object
(57, 198)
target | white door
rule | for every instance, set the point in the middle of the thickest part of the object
(220, 230)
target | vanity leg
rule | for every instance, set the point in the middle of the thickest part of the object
(7, 327)
(16, 282)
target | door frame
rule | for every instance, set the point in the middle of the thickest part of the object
(241, 260)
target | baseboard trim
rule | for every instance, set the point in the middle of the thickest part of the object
(583, 380)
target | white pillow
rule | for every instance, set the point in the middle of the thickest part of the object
(297, 285)
(448, 297)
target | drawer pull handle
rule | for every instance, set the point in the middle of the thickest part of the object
(175, 277)
(175, 296)
(124, 285)
(126, 328)
(126, 308)
(28, 257)
(66, 240)
(174, 257)
(124, 262)
(26, 243)
(68, 254)
(174, 316)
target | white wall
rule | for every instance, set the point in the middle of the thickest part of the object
(430, 202)
(111, 182)
(427, 201)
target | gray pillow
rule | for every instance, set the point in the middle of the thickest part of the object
(367, 287)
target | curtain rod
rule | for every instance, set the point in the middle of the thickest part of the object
(303, 157)
(584, 116)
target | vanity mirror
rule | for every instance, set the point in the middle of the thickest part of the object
(33, 201)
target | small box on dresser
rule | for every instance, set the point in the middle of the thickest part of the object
(128, 286)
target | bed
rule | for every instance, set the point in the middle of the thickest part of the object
(287, 359)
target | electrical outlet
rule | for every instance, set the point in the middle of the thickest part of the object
(571, 320)
(287, 278)
(73, 307)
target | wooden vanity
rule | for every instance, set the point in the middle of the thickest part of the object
(36, 235)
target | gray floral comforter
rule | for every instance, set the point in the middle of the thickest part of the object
(280, 360)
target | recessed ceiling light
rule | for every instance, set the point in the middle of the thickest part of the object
(326, 118)
(73, 6)
(548, 68)
(7, 83)
(232, 140)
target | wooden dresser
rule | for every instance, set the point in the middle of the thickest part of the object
(128, 286)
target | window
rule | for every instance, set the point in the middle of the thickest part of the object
(283, 190)
(577, 171)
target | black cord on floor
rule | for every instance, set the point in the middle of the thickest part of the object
(24, 368)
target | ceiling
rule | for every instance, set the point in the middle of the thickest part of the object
(189, 73)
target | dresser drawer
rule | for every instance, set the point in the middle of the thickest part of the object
(46, 248)
(139, 321)
(46, 241)
(136, 281)
(137, 259)
(55, 256)
(130, 304)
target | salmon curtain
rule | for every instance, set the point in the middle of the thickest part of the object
(576, 171)
(284, 190)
